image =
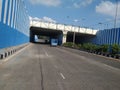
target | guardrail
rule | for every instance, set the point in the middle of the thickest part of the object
(4, 53)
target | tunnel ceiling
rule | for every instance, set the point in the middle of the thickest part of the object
(44, 32)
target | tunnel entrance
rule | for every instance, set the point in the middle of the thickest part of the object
(41, 35)
(80, 38)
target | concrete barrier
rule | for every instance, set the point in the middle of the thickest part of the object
(1, 56)
(4, 53)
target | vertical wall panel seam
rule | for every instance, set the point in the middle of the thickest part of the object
(11, 13)
(3, 10)
(7, 13)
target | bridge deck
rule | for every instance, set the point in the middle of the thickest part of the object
(62, 27)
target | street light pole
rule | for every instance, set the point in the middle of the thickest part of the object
(100, 28)
(115, 22)
(116, 12)
(74, 34)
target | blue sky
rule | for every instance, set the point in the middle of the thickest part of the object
(85, 13)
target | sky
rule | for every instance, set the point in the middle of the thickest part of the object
(97, 14)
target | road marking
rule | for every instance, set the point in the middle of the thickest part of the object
(45, 52)
(55, 66)
(62, 76)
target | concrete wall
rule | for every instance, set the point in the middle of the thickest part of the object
(14, 23)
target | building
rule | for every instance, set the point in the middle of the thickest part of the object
(14, 23)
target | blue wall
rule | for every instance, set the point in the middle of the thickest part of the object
(14, 23)
(108, 36)
(11, 37)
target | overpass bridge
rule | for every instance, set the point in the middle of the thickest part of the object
(63, 31)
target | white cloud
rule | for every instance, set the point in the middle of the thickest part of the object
(75, 20)
(30, 17)
(45, 19)
(46, 2)
(86, 2)
(76, 5)
(108, 8)
(48, 19)
(82, 3)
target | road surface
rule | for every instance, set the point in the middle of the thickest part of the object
(41, 67)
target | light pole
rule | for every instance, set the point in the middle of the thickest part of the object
(116, 12)
(73, 40)
(100, 28)
(74, 34)
(115, 22)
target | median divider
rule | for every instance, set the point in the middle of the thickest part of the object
(6, 52)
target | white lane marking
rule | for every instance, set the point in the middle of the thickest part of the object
(55, 66)
(62, 76)
(45, 52)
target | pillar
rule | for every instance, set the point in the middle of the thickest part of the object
(64, 36)
(32, 37)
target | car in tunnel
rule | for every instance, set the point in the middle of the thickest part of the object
(54, 42)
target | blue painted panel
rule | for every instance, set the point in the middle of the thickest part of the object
(119, 37)
(11, 37)
(3, 9)
(11, 12)
(7, 11)
(109, 36)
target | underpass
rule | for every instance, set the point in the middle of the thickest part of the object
(80, 38)
(57, 34)
(64, 33)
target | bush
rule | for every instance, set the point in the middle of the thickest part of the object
(115, 49)
(79, 46)
(88, 46)
(98, 48)
(104, 48)
(94, 47)
(68, 44)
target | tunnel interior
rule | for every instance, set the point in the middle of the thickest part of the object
(45, 35)
(80, 38)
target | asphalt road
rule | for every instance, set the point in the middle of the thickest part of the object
(41, 67)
